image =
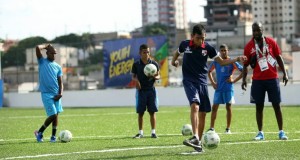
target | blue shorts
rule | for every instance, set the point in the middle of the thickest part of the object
(51, 107)
(146, 99)
(224, 97)
(260, 87)
(197, 93)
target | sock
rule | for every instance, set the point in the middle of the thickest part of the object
(153, 131)
(54, 131)
(280, 131)
(42, 129)
(196, 135)
(141, 132)
(261, 132)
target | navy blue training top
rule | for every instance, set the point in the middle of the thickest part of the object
(194, 63)
(138, 69)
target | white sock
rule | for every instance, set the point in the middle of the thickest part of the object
(196, 135)
(153, 131)
(280, 131)
(141, 132)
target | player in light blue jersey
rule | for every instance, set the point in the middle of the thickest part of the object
(224, 92)
(51, 87)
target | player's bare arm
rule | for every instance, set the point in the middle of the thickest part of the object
(157, 75)
(41, 47)
(280, 62)
(213, 83)
(224, 62)
(244, 75)
(137, 82)
(234, 80)
(175, 62)
(60, 89)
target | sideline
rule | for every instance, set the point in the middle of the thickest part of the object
(138, 148)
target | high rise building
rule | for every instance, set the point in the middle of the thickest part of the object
(280, 17)
(226, 15)
(170, 13)
(227, 18)
(167, 12)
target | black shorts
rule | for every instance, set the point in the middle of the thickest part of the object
(260, 87)
(197, 93)
(146, 99)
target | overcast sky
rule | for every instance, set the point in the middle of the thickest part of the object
(20, 19)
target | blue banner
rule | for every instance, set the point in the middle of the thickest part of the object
(119, 56)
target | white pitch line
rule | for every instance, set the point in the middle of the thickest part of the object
(80, 115)
(126, 136)
(130, 149)
(94, 151)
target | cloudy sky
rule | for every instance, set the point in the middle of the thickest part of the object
(50, 18)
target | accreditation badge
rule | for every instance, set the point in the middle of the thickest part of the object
(263, 64)
(271, 60)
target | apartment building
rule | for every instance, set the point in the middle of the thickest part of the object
(167, 12)
(280, 17)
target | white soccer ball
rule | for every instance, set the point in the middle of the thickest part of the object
(187, 130)
(150, 70)
(210, 140)
(65, 136)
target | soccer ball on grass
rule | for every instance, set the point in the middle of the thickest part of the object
(150, 70)
(210, 140)
(65, 136)
(187, 130)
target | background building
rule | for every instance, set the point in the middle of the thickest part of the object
(280, 17)
(170, 13)
(228, 18)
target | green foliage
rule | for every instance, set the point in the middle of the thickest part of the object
(16, 55)
(155, 29)
(31, 42)
(96, 58)
(106, 133)
(69, 40)
(84, 41)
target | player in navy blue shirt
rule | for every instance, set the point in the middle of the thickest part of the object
(194, 69)
(224, 93)
(146, 96)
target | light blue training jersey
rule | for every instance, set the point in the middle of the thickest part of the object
(223, 73)
(48, 74)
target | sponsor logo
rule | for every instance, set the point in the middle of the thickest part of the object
(188, 50)
(204, 52)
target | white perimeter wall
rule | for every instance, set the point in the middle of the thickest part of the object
(126, 97)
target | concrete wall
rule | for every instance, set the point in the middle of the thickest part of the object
(126, 97)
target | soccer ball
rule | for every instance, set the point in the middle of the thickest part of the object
(210, 140)
(150, 70)
(187, 130)
(65, 136)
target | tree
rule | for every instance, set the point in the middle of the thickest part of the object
(69, 40)
(155, 29)
(15, 56)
